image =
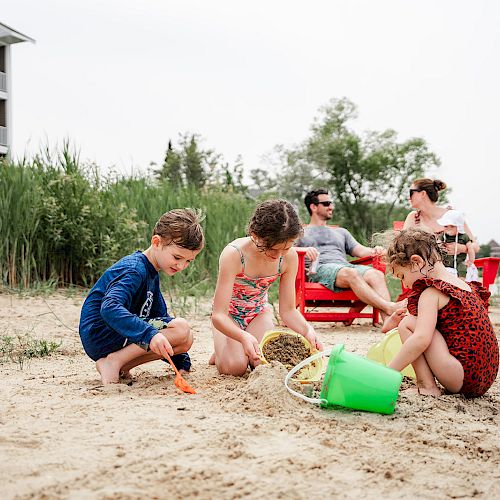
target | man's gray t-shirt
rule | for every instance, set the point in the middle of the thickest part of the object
(332, 243)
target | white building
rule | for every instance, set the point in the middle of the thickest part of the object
(8, 36)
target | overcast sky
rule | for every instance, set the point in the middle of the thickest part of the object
(121, 77)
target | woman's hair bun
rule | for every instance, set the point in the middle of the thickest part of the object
(439, 185)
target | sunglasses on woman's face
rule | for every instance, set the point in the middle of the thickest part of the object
(414, 191)
(325, 203)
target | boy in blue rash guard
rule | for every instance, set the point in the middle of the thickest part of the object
(124, 321)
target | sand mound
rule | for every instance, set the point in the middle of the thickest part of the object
(265, 393)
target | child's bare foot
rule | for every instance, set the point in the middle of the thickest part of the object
(394, 306)
(393, 320)
(211, 361)
(108, 369)
(434, 391)
(424, 391)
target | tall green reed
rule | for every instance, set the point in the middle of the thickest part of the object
(62, 221)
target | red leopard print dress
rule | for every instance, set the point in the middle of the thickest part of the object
(466, 327)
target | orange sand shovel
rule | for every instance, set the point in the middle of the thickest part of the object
(179, 381)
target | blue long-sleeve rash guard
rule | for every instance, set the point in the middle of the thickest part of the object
(126, 294)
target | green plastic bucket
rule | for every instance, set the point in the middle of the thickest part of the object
(359, 383)
(354, 382)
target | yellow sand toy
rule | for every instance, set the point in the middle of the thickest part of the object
(310, 373)
(385, 351)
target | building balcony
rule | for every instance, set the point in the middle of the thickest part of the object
(3, 136)
(3, 82)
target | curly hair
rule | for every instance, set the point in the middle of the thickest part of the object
(410, 242)
(430, 186)
(274, 222)
(182, 227)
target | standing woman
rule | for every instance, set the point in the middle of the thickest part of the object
(424, 194)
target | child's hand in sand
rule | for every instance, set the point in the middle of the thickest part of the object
(251, 348)
(161, 346)
(311, 336)
(394, 319)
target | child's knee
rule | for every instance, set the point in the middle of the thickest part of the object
(184, 334)
(182, 328)
(408, 323)
(189, 340)
(237, 368)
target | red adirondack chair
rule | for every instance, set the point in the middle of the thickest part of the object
(489, 265)
(314, 295)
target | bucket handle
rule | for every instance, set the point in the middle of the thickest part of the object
(296, 368)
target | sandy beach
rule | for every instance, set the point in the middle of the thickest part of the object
(63, 435)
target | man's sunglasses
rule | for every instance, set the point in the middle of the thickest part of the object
(325, 203)
(415, 191)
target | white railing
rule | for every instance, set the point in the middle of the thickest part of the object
(3, 81)
(3, 136)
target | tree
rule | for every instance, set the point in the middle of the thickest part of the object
(190, 165)
(484, 251)
(172, 169)
(233, 177)
(193, 160)
(262, 179)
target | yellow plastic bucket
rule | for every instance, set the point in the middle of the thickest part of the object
(384, 351)
(310, 373)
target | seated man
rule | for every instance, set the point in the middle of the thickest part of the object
(330, 245)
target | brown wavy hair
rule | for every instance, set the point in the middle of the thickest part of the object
(413, 241)
(430, 186)
(182, 227)
(274, 222)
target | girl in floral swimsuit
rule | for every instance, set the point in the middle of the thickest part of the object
(247, 268)
(448, 334)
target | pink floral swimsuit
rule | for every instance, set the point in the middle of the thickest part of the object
(249, 294)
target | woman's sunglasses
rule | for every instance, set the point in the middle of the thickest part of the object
(415, 191)
(325, 203)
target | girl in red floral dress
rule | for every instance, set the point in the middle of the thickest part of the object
(247, 268)
(448, 335)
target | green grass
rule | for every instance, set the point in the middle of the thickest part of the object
(36, 289)
(20, 348)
